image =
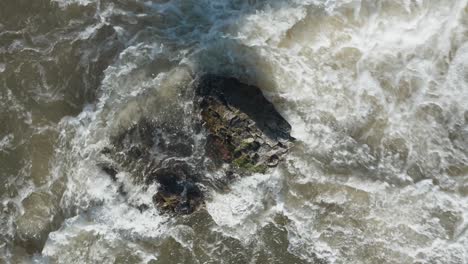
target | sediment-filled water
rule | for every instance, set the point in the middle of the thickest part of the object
(376, 92)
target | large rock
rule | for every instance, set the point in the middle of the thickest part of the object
(243, 127)
(242, 134)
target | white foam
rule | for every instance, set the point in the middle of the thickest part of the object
(371, 88)
(6, 142)
(246, 207)
(65, 3)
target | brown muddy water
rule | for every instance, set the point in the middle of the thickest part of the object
(376, 92)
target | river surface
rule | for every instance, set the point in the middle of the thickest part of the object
(376, 92)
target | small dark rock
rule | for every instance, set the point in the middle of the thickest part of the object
(142, 207)
(111, 171)
(121, 190)
(177, 190)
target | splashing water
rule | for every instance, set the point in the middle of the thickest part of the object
(376, 93)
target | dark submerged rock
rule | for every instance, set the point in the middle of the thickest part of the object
(242, 131)
(153, 152)
(110, 170)
(177, 190)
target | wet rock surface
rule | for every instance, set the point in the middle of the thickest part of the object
(244, 128)
(241, 134)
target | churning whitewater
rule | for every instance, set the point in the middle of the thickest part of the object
(375, 91)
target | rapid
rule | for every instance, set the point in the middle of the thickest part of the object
(376, 92)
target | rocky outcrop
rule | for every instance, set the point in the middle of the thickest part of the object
(242, 134)
(244, 129)
(153, 152)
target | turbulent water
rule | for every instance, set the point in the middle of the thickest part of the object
(376, 92)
